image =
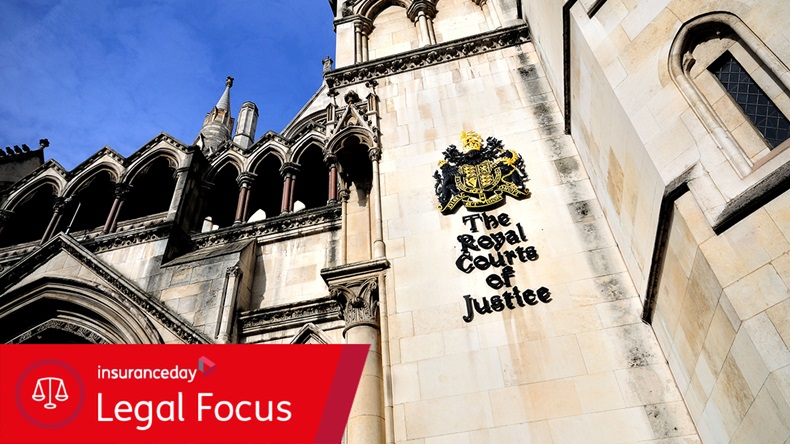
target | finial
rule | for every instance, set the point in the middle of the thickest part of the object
(229, 81)
(43, 143)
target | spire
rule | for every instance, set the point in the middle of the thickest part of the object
(218, 125)
(224, 101)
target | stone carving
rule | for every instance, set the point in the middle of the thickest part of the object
(319, 219)
(287, 316)
(480, 175)
(87, 334)
(359, 301)
(347, 8)
(428, 56)
(122, 190)
(327, 62)
(150, 231)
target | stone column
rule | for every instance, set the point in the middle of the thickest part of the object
(357, 43)
(379, 250)
(344, 195)
(422, 12)
(121, 190)
(359, 302)
(288, 171)
(223, 331)
(331, 162)
(57, 213)
(286, 194)
(291, 194)
(431, 33)
(365, 54)
(422, 24)
(362, 29)
(245, 181)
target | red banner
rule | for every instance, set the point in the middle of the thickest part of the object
(177, 393)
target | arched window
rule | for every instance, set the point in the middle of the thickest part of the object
(311, 188)
(30, 217)
(90, 204)
(54, 310)
(355, 164)
(222, 198)
(736, 85)
(267, 190)
(152, 190)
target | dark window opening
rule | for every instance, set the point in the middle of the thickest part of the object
(760, 109)
(222, 198)
(94, 200)
(267, 190)
(30, 218)
(152, 190)
(312, 181)
(355, 164)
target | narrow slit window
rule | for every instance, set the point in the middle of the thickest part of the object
(760, 109)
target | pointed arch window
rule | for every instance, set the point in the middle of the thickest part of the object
(736, 85)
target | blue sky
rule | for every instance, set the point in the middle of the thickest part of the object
(89, 73)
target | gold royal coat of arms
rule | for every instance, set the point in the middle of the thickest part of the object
(480, 175)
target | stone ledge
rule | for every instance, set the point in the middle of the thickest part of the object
(276, 228)
(287, 316)
(428, 56)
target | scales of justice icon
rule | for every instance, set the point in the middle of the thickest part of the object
(39, 394)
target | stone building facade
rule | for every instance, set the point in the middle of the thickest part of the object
(636, 292)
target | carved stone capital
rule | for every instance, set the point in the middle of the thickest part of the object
(289, 168)
(344, 194)
(374, 154)
(356, 287)
(363, 25)
(59, 203)
(233, 271)
(330, 159)
(246, 179)
(121, 190)
(427, 7)
(359, 301)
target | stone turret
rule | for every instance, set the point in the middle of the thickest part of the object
(247, 121)
(218, 125)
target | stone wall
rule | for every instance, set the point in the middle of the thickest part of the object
(394, 33)
(288, 271)
(721, 300)
(456, 19)
(581, 367)
(722, 320)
